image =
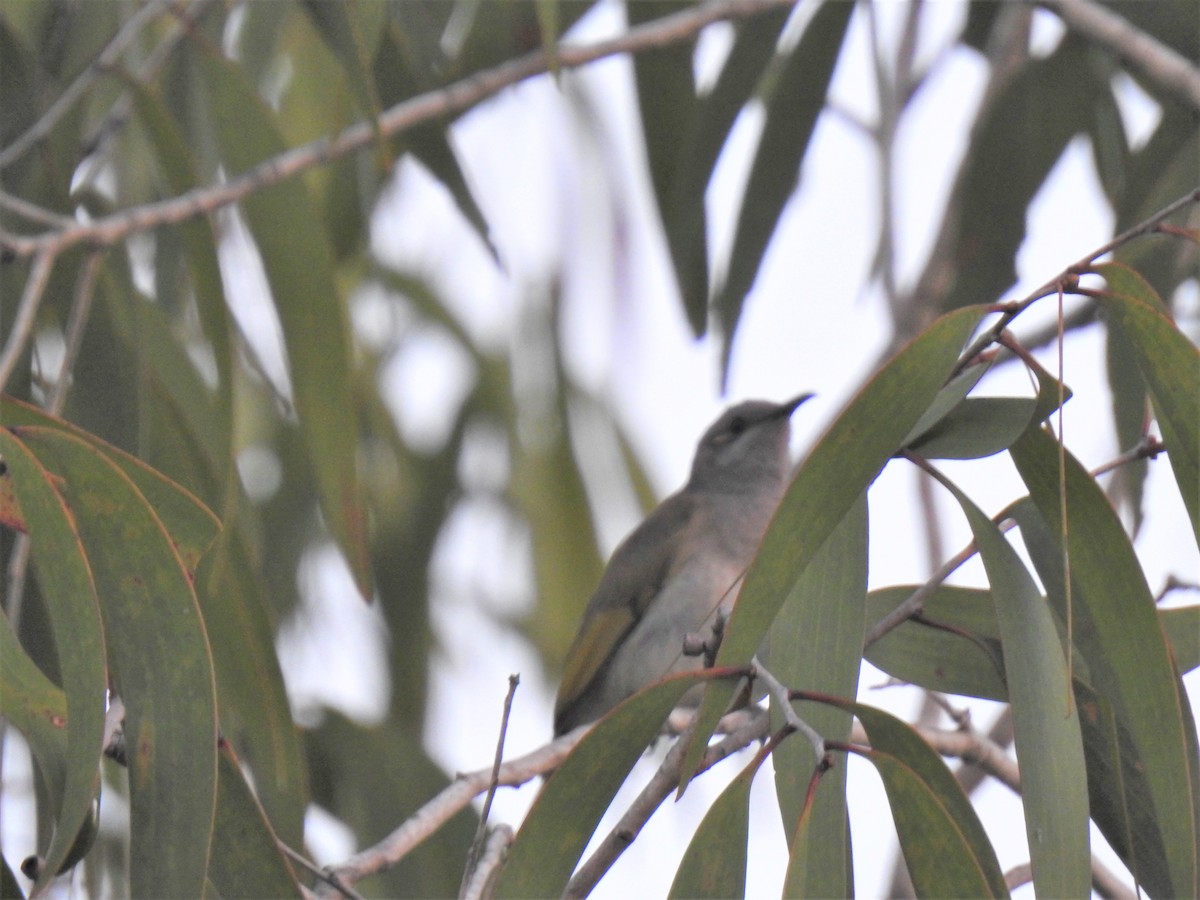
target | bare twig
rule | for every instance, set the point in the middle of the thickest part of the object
(22, 325)
(1142, 51)
(434, 814)
(81, 307)
(780, 699)
(481, 831)
(443, 102)
(490, 862)
(316, 871)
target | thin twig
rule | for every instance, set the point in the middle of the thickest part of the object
(443, 102)
(490, 863)
(316, 871)
(22, 326)
(780, 699)
(81, 307)
(481, 831)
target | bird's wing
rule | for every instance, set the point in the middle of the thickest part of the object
(634, 575)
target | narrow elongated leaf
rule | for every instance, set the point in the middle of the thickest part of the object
(1117, 631)
(160, 664)
(1170, 365)
(844, 462)
(685, 213)
(298, 265)
(561, 822)
(1182, 628)
(67, 589)
(958, 859)
(954, 647)
(246, 861)
(667, 102)
(191, 525)
(816, 643)
(1045, 723)
(715, 862)
(791, 116)
(976, 428)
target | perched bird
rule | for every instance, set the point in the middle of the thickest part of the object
(668, 578)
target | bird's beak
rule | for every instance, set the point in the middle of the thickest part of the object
(789, 406)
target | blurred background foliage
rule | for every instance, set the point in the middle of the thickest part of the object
(148, 344)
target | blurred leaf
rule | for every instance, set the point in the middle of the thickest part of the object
(160, 664)
(683, 209)
(1048, 741)
(337, 25)
(817, 641)
(844, 462)
(245, 861)
(1117, 631)
(567, 811)
(714, 864)
(1182, 629)
(666, 96)
(255, 714)
(371, 778)
(70, 598)
(947, 852)
(314, 319)
(1015, 143)
(179, 169)
(1170, 364)
(954, 647)
(792, 108)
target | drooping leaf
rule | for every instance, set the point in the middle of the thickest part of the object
(246, 861)
(69, 594)
(1170, 365)
(792, 109)
(315, 324)
(1117, 631)
(1046, 726)
(159, 658)
(816, 642)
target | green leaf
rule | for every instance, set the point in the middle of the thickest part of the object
(1182, 629)
(666, 88)
(567, 811)
(1117, 631)
(946, 849)
(683, 209)
(792, 109)
(817, 641)
(1048, 741)
(1170, 365)
(954, 647)
(714, 864)
(316, 330)
(191, 525)
(160, 664)
(246, 861)
(845, 461)
(70, 596)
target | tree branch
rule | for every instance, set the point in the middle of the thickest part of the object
(1141, 51)
(441, 103)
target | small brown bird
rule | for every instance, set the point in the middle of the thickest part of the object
(668, 578)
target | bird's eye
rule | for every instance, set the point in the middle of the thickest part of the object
(736, 426)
